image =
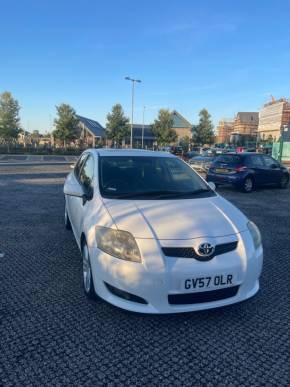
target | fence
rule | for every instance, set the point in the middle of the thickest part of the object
(286, 151)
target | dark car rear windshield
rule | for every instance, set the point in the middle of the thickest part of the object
(229, 159)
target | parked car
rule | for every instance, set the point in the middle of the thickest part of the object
(201, 163)
(166, 149)
(195, 151)
(155, 237)
(177, 150)
(247, 171)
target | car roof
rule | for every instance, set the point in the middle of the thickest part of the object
(129, 152)
(240, 154)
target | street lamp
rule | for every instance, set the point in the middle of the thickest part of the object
(132, 113)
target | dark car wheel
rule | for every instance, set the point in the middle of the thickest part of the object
(284, 181)
(248, 184)
(87, 273)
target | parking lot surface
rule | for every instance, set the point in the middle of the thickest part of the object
(50, 334)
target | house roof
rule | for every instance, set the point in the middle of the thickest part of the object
(92, 126)
(248, 117)
(179, 121)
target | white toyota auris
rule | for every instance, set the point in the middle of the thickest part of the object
(155, 237)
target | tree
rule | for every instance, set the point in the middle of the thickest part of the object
(66, 124)
(117, 127)
(184, 142)
(9, 118)
(203, 132)
(162, 128)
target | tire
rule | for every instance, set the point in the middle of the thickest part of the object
(284, 181)
(88, 282)
(67, 222)
(248, 184)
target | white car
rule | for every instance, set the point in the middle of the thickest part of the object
(155, 237)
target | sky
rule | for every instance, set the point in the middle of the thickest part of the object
(226, 56)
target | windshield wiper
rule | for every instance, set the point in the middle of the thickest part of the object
(160, 194)
(144, 193)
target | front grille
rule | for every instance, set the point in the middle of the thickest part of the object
(189, 252)
(198, 298)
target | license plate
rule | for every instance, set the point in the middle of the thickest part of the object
(218, 281)
(221, 170)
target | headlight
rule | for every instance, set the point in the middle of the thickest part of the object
(256, 235)
(120, 244)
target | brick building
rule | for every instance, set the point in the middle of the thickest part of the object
(181, 126)
(224, 129)
(272, 118)
(246, 123)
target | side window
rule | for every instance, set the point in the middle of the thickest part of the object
(79, 165)
(256, 161)
(87, 172)
(269, 161)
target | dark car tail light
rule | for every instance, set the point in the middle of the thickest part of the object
(240, 168)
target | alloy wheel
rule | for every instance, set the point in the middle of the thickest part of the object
(248, 184)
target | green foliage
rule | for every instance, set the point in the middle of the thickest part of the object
(9, 118)
(203, 132)
(162, 128)
(184, 142)
(117, 127)
(66, 124)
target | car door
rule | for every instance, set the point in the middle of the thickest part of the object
(74, 176)
(273, 170)
(79, 206)
(256, 164)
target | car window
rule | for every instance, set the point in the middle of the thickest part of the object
(229, 159)
(269, 161)
(255, 161)
(79, 165)
(87, 172)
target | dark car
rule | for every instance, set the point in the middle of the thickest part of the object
(177, 150)
(247, 171)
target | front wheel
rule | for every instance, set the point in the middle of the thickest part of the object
(284, 181)
(87, 273)
(248, 185)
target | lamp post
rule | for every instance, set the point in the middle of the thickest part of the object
(143, 126)
(132, 112)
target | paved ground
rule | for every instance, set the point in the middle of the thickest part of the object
(51, 335)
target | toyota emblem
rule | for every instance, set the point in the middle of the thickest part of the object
(205, 249)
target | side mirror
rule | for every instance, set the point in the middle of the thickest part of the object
(212, 185)
(73, 189)
(274, 166)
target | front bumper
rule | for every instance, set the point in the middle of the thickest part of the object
(158, 278)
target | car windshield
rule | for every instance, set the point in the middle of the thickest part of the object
(138, 177)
